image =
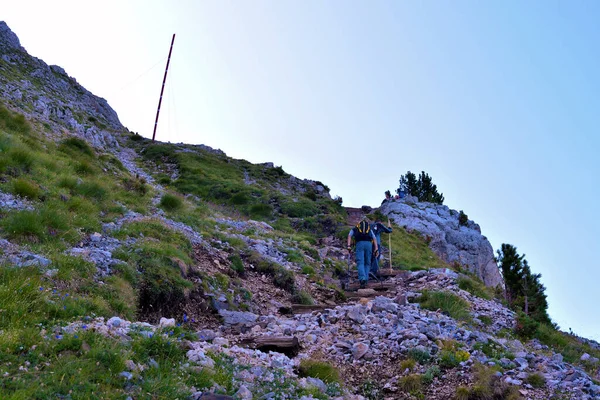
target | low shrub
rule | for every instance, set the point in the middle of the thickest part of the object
(487, 385)
(77, 145)
(236, 264)
(303, 297)
(24, 225)
(451, 355)
(419, 355)
(84, 168)
(26, 189)
(260, 210)
(536, 380)
(409, 364)
(91, 190)
(170, 202)
(410, 384)
(463, 218)
(475, 287)
(431, 373)
(455, 306)
(319, 369)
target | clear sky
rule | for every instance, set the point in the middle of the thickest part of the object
(499, 101)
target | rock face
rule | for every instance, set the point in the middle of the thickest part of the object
(50, 95)
(449, 240)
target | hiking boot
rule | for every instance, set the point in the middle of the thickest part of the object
(363, 284)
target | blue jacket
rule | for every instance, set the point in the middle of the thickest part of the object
(377, 228)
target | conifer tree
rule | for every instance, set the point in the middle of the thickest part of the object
(422, 187)
(523, 289)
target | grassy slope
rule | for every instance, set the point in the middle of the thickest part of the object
(74, 190)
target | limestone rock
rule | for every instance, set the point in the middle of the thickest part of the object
(448, 239)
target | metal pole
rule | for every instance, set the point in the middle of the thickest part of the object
(390, 246)
(162, 89)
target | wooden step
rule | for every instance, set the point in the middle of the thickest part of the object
(288, 345)
(370, 293)
(373, 285)
(304, 309)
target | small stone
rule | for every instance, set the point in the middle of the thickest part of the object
(166, 322)
(114, 322)
(357, 314)
(359, 350)
(221, 341)
(243, 393)
(51, 273)
(206, 335)
(95, 237)
(585, 357)
(126, 375)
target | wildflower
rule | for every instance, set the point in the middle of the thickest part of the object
(41, 288)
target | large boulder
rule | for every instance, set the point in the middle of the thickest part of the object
(451, 241)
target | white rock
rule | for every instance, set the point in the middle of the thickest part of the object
(166, 322)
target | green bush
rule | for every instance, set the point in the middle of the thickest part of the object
(536, 380)
(475, 287)
(260, 210)
(84, 168)
(13, 122)
(463, 218)
(68, 182)
(410, 384)
(420, 356)
(430, 374)
(170, 202)
(526, 327)
(26, 189)
(487, 386)
(76, 145)
(319, 369)
(19, 161)
(298, 209)
(91, 190)
(24, 225)
(303, 297)
(448, 302)
(236, 264)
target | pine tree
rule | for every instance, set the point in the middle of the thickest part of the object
(422, 187)
(523, 289)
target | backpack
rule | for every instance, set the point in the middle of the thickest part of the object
(362, 232)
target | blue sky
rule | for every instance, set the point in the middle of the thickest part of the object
(498, 101)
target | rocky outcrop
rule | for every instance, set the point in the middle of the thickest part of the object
(50, 95)
(450, 240)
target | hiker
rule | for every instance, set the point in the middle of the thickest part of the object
(377, 228)
(365, 241)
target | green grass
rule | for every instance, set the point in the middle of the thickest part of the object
(319, 369)
(410, 384)
(303, 297)
(475, 287)
(486, 386)
(26, 189)
(170, 202)
(536, 380)
(455, 306)
(410, 250)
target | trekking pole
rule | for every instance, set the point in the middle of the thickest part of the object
(390, 244)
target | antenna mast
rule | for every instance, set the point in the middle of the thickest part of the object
(162, 89)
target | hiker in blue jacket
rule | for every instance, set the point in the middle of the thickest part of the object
(365, 241)
(378, 228)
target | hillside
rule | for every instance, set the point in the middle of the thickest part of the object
(138, 269)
